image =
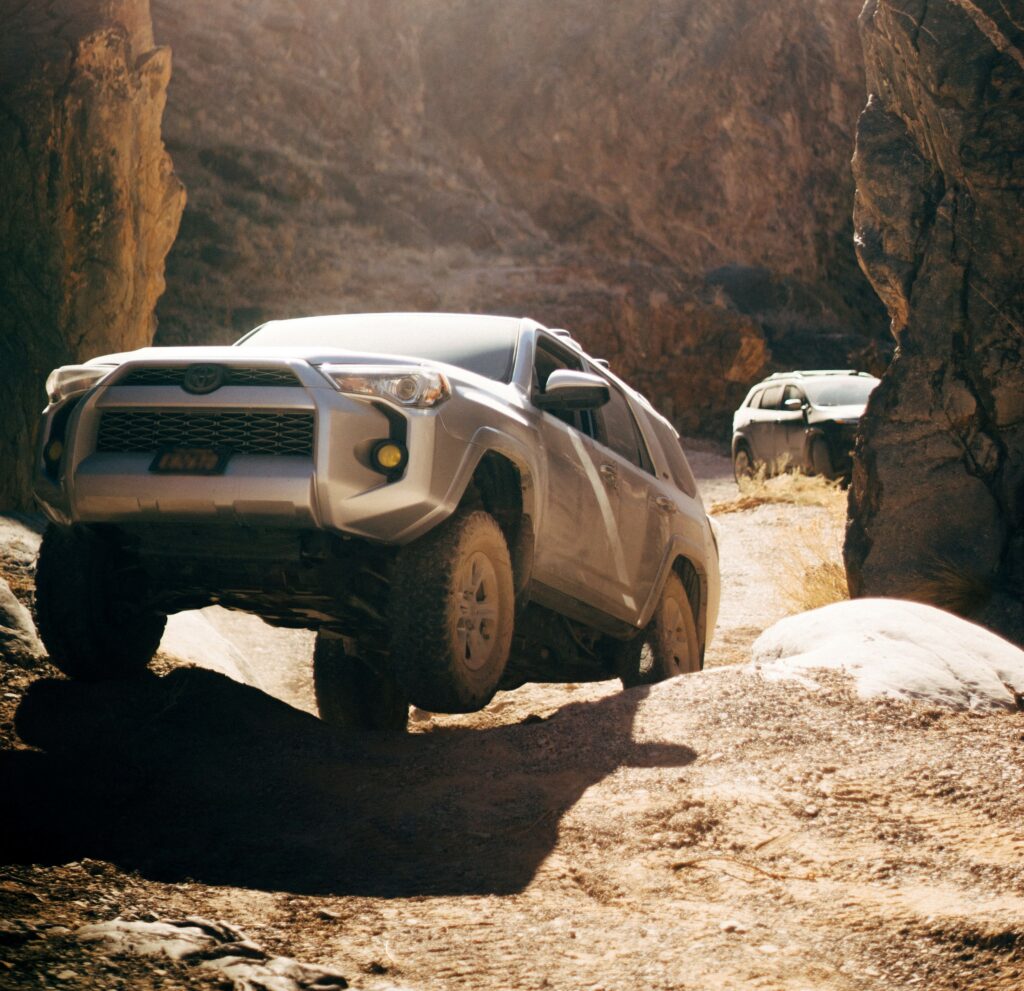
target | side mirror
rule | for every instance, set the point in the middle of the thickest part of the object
(570, 390)
(793, 405)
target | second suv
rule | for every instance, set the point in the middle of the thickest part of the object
(455, 503)
(806, 419)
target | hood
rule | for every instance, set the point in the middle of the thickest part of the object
(817, 414)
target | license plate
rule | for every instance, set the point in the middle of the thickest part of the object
(190, 461)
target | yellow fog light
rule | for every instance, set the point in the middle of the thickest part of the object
(53, 451)
(388, 456)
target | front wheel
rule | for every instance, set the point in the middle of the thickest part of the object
(742, 463)
(352, 694)
(452, 610)
(90, 606)
(668, 646)
(821, 459)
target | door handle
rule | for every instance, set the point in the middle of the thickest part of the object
(608, 474)
(665, 504)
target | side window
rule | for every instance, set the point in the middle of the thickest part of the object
(678, 466)
(755, 400)
(772, 397)
(792, 392)
(617, 430)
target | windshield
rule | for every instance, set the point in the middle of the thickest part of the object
(839, 391)
(485, 345)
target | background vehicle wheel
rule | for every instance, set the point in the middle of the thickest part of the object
(821, 460)
(90, 606)
(668, 646)
(742, 463)
(353, 695)
(452, 609)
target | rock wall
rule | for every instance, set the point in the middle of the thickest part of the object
(89, 205)
(938, 489)
(668, 178)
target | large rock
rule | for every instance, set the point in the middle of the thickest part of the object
(89, 205)
(938, 485)
(668, 179)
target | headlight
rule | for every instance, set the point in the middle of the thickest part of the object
(414, 387)
(71, 380)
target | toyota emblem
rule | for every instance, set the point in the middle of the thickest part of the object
(201, 379)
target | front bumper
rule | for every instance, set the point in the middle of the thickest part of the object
(333, 487)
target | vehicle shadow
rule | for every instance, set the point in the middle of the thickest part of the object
(194, 776)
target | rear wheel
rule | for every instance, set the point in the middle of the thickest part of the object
(668, 646)
(352, 694)
(452, 609)
(90, 606)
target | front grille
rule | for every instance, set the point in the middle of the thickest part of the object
(238, 431)
(175, 374)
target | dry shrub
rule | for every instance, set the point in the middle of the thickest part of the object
(948, 586)
(790, 487)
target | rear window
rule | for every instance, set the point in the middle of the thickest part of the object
(485, 345)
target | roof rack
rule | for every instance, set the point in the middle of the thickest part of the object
(564, 335)
(807, 373)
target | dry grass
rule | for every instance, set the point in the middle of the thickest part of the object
(815, 556)
(948, 586)
(811, 573)
(789, 487)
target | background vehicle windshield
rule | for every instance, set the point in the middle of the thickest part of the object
(485, 345)
(840, 391)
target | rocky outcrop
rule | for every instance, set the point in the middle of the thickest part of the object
(89, 205)
(670, 180)
(938, 487)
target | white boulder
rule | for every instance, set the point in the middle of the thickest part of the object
(897, 649)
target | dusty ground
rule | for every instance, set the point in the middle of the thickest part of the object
(712, 832)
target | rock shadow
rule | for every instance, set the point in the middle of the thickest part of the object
(193, 776)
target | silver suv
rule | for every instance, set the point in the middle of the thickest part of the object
(456, 504)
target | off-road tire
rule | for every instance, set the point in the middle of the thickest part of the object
(353, 695)
(669, 646)
(742, 463)
(452, 611)
(820, 458)
(90, 606)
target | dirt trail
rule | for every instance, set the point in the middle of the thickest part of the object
(713, 832)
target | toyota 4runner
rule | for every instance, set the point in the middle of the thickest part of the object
(456, 504)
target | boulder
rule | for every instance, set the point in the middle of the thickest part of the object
(938, 484)
(89, 205)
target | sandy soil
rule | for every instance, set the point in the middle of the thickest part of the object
(712, 832)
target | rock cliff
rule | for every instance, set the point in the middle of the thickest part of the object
(668, 178)
(89, 205)
(938, 488)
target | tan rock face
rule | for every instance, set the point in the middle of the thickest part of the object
(668, 179)
(938, 486)
(89, 205)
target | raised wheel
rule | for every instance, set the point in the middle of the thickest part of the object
(668, 646)
(352, 694)
(90, 606)
(452, 610)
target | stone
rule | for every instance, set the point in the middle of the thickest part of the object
(669, 181)
(938, 484)
(89, 204)
(19, 643)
